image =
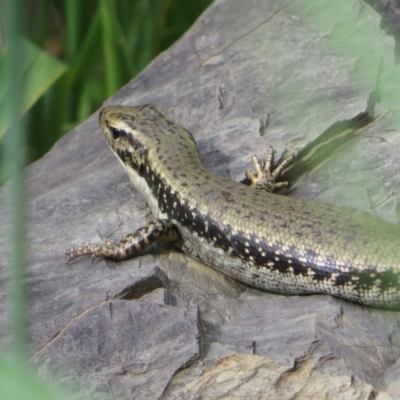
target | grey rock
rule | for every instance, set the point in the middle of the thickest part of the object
(163, 326)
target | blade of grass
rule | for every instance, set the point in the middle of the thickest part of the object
(13, 164)
(85, 58)
(73, 21)
(110, 47)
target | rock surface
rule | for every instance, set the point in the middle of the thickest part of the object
(163, 326)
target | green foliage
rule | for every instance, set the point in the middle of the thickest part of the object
(39, 72)
(356, 36)
(12, 388)
(87, 51)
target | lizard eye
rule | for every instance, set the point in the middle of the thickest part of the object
(116, 133)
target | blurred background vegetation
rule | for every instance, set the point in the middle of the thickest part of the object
(59, 61)
(79, 53)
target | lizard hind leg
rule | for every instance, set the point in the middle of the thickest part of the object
(265, 176)
(130, 245)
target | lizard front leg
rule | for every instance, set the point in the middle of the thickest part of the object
(131, 245)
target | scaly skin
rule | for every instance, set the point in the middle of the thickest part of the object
(265, 240)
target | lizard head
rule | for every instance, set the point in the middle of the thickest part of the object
(138, 136)
(130, 132)
(148, 145)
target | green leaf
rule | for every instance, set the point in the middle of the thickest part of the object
(40, 71)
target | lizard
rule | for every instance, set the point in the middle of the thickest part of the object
(248, 232)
